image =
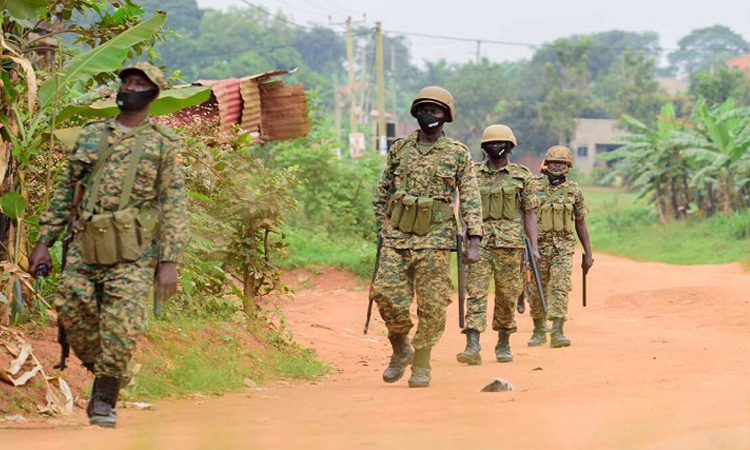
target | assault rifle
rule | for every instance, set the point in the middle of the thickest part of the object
(372, 283)
(530, 261)
(461, 279)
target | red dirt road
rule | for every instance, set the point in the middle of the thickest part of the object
(660, 360)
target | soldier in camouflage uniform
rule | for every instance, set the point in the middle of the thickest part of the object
(508, 203)
(413, 212)
(135, 191)
(561, 211)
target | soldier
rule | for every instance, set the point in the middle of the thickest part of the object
(508, 203)
(562, 210)
(132, 217)
(413, 212)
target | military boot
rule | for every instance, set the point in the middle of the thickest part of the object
(471, 355)
(539, 336)
(101, 408)
(403, 355)
(556, 338)
(420, 370)
(502, 349)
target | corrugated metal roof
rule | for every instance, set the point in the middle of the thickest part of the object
(261, 105)
(227, 93)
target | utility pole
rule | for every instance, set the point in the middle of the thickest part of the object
(479, 47)
(350, 62)
(382, 142)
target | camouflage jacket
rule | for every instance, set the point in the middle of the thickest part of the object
(518, 182)
(159, 179)
(455, 172)
(568, 192)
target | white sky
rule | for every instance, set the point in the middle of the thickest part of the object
(522, 21)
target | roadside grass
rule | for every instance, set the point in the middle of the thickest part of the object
(311, 250)
(621, 225)
(189, 356)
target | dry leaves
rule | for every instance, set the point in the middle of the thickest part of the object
(26, 366)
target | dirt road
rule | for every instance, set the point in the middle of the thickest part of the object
(660, 360)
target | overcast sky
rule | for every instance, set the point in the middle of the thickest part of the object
(522, 22)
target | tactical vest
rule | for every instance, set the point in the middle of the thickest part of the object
(502, 199)
(417, 214)
(123, 235)
(556, 214)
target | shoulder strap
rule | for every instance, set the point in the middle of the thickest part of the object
(105, 151)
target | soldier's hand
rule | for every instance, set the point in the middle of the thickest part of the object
(39, 256)
(166, 280)
(537, 257)
(472, 251)
(587, 262)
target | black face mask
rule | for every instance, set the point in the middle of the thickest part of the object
(135, 101)
(429, 123)
(555, 180)
(496, 151)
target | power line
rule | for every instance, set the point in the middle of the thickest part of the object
(519, 44)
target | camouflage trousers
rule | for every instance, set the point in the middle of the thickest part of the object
(504, 264)
(402, 274)
(555, 270)
(103, 310)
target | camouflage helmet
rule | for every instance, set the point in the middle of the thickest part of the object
(559, 153)
(436, 95)
(498, 133)
(150, 71)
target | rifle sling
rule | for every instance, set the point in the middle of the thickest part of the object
(105, 151)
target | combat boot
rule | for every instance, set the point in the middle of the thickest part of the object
(420, 370)
(556, 338)
(403, 355)
(539, 336)
(502, 349)
(101, 408)
(471, 355)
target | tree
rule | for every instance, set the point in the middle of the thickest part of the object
(705, 48)
(565, 81)
(718, 87)
(478, 89)
(630, 88)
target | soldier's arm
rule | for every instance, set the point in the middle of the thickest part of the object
(471, 202)
(55, 218)
(529, 203)
(580, 211)
(385, 187)
(172, 200)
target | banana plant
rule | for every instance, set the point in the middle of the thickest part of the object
(718, 144)
(652, 165)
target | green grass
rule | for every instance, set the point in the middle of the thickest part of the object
(620, 225)
(310, 249)
(188, 356)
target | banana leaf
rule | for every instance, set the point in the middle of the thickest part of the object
(167, 103)
(107, 57)
(23, 9)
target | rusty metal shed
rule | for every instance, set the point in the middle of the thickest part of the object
(262, 105)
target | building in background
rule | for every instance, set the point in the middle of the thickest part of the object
(592, 137)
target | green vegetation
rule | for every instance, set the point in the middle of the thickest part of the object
(186, 356)
(621, 225)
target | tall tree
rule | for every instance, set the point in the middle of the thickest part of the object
(707, 47)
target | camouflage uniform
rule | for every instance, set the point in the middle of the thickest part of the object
(501, 249)
(410, 263)
(103, 308)
(556, 248)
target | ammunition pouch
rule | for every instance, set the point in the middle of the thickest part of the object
(557, 217)
(499, 202)
(122, 236)
(418, 215)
